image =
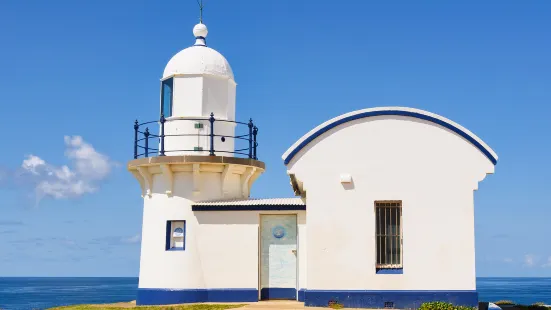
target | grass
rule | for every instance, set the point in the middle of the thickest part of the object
(119, 306)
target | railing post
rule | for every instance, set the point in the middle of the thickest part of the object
(136, 126)
(211, 120)
(146, 134)
(250, 138)
(162, 120)
(255, 132)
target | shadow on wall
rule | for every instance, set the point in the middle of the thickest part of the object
(348, 185)
(226, 217)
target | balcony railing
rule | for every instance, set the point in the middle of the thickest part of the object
(245, 144)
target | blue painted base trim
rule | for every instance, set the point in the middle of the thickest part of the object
(390, 271)
(153, 296)
(278, 293)
(377, 299)
(301, 294)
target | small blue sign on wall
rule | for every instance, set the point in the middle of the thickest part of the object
(278, 232)
(178, 232)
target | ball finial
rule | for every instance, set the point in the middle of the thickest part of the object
(200, 30)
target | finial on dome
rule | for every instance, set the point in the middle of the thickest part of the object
(201, 6)
(200, 32)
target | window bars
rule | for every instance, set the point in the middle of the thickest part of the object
(388, 234)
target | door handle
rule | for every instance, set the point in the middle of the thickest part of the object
(294, 251)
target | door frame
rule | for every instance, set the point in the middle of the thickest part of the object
(259, 235)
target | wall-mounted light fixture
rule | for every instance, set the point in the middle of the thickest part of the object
(346, 178)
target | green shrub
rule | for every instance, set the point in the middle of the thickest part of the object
(440, 305)
(504, 302)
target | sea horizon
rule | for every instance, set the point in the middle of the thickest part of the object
(508, 277)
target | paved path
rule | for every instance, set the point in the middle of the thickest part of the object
(261, 305)
(275, 304)
(283, 305)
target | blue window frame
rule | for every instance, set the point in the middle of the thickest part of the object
(166, 97)
(175, 236)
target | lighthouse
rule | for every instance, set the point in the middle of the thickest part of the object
(383, 213)
(195, 151)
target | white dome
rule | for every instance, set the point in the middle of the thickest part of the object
(199, 59)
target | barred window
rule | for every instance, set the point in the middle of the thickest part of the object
(388, 232)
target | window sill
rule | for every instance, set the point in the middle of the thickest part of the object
(390, 271)
(176, 249)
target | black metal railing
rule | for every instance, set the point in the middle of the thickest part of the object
(245, 144)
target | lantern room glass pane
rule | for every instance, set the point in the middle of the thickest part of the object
(166, 97)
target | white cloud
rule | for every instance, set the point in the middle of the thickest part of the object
(32, 163)
(134, 239)
(88, 162)
(117, 240)
(548, 263)
(508, 260)
(89, 168)
(530, 260)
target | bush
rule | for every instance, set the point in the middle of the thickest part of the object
(504, 302)
(335, 305)
(538, 304)
(440, 305)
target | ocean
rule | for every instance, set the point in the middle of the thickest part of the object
(43, 293)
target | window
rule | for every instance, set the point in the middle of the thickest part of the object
(175, 235)
(166, 97)
(388, 232)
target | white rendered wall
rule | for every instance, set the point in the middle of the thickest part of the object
(229, 247)
(221, 249)
(200, 95)
(432, 170)
(218, 98)
(185, 145)
(187, 96)
(175, 269)
(195, 97)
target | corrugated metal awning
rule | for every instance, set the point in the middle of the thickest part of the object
(250, 204)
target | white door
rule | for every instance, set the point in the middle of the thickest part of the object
(278, 256)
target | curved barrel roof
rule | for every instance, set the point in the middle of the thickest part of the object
(398, 111)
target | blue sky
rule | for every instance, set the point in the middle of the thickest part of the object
(87, 69)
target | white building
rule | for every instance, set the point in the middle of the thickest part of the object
(384, 215)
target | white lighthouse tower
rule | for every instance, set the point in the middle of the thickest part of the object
(195, 152)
